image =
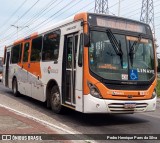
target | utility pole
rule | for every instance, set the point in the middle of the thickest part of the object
(119, 6)
(17, 27)
(147, 14)
(101, 6)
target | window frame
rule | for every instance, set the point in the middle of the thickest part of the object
(19, 55)
(40, 55)
(27, 51)
(42, 52)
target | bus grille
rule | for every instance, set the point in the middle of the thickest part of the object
(119, 108)
(127, 87)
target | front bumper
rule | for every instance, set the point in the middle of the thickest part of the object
(96, 105)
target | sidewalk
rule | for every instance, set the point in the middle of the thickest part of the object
(12, 123)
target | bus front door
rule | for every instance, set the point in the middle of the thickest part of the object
(69, 69)
(7, 69)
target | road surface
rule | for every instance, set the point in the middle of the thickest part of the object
(75, 122)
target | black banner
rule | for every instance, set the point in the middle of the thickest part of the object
(22, 137)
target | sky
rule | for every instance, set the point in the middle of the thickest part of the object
(34, 15)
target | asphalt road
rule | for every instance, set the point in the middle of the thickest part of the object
(143, 123)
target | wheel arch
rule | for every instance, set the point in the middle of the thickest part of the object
(14, 77)
(49, 86)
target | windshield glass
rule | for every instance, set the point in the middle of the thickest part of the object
(135, 63)
(141, 57)
(104, 61)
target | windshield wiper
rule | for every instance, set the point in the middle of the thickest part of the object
(114, 42)
(116, 45)
(132, 49)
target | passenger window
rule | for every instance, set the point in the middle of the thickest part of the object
(36, 49)
(51, 43)
(16, 54)
(25, 54)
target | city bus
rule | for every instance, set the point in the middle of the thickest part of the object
(91, 63)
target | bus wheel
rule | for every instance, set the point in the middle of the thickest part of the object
(55, 100)
(15, 88)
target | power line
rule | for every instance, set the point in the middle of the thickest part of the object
(13, 14)
(23, 15)
(40, 13)
(59, 15)
(26, 12)
(34, 21)
(27, 23)
(44, 20)
(52, 19)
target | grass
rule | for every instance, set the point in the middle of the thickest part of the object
(158, 88)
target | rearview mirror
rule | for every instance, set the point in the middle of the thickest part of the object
(86, 40)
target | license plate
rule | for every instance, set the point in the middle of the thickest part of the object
(129, 105)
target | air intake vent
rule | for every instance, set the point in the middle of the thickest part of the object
(120, 108)
(127, 87)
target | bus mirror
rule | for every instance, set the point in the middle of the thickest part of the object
(86, 40)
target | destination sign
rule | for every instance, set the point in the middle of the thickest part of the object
(121, 24)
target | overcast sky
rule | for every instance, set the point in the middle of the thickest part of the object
(33, 15)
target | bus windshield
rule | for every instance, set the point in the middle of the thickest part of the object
(136, 61)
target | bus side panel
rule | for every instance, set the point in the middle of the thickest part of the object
(22, 80)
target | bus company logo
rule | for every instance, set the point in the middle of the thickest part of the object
(117, 93)
(49, 69)
(145, 71)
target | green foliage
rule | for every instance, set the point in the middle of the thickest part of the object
(158, 88)
(158, 69)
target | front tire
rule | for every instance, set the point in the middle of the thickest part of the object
(55, 100)
(15, 88)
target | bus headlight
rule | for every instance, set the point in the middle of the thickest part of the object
(94, 91)
(154, 94)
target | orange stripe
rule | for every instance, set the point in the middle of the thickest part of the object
(83, 16)
(18, 41)
(33, 35)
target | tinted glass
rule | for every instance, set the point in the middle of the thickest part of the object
(25, 54)
(36, 49)
(51, 43)
(103, 59)
(16, 54)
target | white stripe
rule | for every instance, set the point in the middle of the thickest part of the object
(43, 122)
(36, 119)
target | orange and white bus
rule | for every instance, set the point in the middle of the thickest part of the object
(91, 63)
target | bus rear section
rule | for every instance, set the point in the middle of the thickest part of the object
(90, 63)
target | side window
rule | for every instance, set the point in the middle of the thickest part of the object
(36, 49)
(16, 54)
(4, 60)
(69, 52)
(75, 49)
(51, 43)
(25, 54)
(80, 51)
